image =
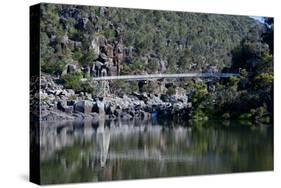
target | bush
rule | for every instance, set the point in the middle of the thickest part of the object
(171, 91)
(151, 87)
(199, 115)
(245, 116)
(89, 57)
(153, 65)
(233, 81)
(136, 67)
(109, 33)
(73, 81)
(52, 67)
(121, 87)
(263, 81)
(200, 94)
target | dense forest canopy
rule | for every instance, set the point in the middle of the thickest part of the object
(156, 41)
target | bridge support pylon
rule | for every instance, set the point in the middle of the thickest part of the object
(103, 88)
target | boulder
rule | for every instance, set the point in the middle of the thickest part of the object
(118, 111)
(109, 108)
(84, 106)
(70, 92)
(143, 96)
(68, 109)
(61, 106)
(58, 92)
(102, 57)
(70, 103)
(95, 45)
(64, 40)
(125, 115)
(109, 51)
(69, 68)
(165, 98)
(162, 66)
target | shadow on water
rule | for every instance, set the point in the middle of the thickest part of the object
(113, 150)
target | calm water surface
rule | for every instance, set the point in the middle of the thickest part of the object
(115, 150)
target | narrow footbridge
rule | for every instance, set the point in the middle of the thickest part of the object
(104, 88)
(161, 76)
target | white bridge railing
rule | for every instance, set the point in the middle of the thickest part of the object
(159, 76)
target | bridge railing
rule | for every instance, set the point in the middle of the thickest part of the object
(160, 76)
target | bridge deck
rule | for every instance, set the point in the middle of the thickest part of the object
(159, 76)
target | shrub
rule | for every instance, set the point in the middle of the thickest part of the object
(171, 91)
(73, 81)
(109, 33)
(52, 67)
(72, 97)
(89, 57)
(263, 80)
(121, 87)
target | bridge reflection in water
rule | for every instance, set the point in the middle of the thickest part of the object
(60, 136)
(111, 150)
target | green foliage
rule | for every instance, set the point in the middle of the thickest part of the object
(199, 115)
(52, 67)
(121, 87)
(202, 102)
(268, 35)
(136, 67)
(263, 81)
(171, 91)
(77, 55)
(186, 41)
(88, 57)
(153, 66)
(151, 87)
(181, 38)
(73, 81)
(72, 97)
(86, 86)
(245, 116)
(200, 93)
(233, 81)
(109, 34)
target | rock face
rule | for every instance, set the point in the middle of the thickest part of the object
(69, 68)
(95, 45)
(83, 106)
(58, 103)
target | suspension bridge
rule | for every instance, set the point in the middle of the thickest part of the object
(161, 76)
(103, 81)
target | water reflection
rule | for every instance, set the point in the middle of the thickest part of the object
(111, 150)
(103, 139)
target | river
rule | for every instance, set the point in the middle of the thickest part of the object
(117, 150)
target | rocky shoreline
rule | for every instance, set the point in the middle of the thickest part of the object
(58, 103)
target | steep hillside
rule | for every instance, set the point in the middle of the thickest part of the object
(130, 41)
(83, 41)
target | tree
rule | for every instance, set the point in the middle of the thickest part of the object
(73, 81)
(268, 35)
(88, 57)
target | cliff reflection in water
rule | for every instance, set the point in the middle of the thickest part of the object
(112, 150)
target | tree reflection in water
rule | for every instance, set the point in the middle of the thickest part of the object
(112, 150)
